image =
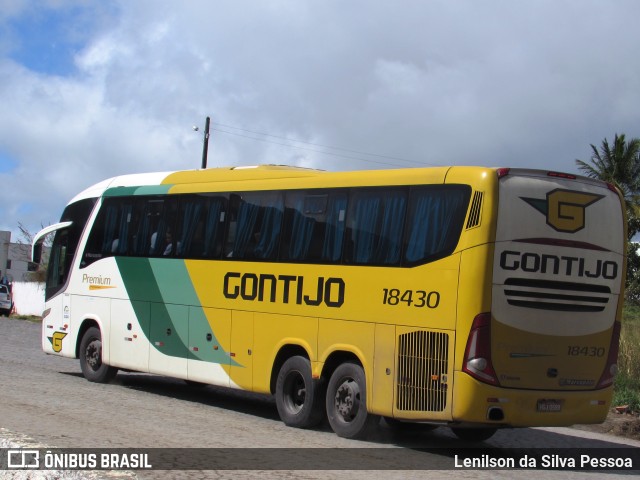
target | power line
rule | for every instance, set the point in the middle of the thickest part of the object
(323, 152)
(304, 148)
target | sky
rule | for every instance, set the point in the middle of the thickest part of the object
(95, 89)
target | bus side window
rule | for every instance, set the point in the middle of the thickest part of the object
(435, 220)
(110, 223)
(117, 242)
(163, 241)
(200, 226)
(314, 226)
(255, 234)
(93, 249)
(334, 228)
(267, 238)
(375, 220)
(232, 225)
(189, 228)
(302, 218)
(214, 227)
(146, 217)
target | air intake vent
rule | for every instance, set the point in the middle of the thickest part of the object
(422, 373)
(475, 211)
(556, 296)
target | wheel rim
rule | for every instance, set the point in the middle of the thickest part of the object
(294, 392)
(93, 354)
(347, 400)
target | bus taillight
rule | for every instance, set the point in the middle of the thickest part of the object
(502, 172)
(611, 368)
(477, 354)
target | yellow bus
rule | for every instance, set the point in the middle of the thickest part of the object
(476, 298)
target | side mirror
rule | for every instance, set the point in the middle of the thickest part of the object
(36, 253)
(38, 240)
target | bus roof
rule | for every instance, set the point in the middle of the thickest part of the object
(260, 176)
(288, 177)
(195, 176)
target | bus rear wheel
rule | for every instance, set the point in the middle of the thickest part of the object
(347, 402)
(91, 358)
(298, 396)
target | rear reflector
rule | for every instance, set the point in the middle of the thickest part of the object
(567, 176)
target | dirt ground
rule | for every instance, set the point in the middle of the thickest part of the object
(621, 424)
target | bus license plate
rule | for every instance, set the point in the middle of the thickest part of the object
(549, 405)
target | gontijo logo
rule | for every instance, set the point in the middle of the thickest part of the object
(564, 209)
(56, 341)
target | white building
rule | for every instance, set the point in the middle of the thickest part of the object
(15, 259)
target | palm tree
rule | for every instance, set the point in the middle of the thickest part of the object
(619, 164)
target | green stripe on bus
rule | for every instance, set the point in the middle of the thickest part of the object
(176, 313)
(144, 190)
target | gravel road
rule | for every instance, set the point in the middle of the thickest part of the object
(45, 402)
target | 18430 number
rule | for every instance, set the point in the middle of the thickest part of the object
(579, 350)
(411, 298)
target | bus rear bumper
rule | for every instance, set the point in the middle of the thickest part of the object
(476, 402)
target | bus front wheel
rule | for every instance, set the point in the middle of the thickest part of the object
(298, 396)
(91, 358)
(347, 402)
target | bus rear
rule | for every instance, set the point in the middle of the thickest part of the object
(546, 352)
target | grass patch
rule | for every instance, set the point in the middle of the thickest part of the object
(631, 315)
(629, 353)
(626, 391)
(28, 318)
(626, 387)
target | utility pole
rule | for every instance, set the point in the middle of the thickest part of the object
(205, 146)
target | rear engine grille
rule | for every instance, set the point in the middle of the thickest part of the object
(423, 358)
(557, 296)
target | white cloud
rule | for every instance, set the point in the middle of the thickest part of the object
(440, 82)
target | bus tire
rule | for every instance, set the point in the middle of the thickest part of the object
(298, 396)
(474, 434)
(347, 402)
(91, 358)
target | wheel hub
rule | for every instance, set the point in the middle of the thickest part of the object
(347, 400)
(93, 354)
(296, 391)
(299, 393)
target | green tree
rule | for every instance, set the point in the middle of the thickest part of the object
(619, 164)
(25, 240)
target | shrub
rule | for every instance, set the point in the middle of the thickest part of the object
(627, 382)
